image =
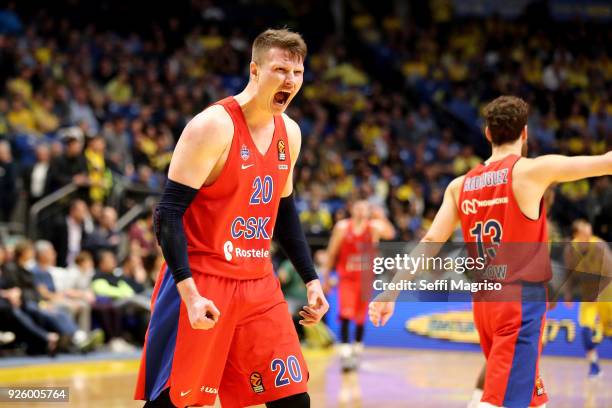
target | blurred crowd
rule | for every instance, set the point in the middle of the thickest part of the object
(389, 111)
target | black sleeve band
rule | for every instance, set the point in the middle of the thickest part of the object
(169, 230)
(290, 236)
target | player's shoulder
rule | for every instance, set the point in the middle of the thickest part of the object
(213, 124)
(455, 185)
(342, 225)
(293, 129)
(528, 166)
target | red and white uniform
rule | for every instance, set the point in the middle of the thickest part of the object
(510, 323)
(354, 268)
(252, 355)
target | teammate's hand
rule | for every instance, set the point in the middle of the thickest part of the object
(380, 312)
(317, 304)
(202, 312)
(329, 284)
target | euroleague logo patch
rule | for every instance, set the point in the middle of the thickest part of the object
(257, 382)
(245, 153)
(281, 150)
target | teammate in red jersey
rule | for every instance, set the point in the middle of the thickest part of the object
(219, 322)
(351, 249)
(500, 201)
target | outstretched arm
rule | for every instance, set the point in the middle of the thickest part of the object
(553, 168)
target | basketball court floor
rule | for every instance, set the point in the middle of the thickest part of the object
(387, 378)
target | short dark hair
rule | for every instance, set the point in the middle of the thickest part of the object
(506, 116)
(283, 39)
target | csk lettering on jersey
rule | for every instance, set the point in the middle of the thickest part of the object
(487, 179)
(250, 228)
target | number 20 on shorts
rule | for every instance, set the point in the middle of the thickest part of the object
(287, 371)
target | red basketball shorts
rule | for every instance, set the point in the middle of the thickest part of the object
(511, 339)
(353, 298)
(250, 357)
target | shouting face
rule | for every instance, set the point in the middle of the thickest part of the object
(279, 76)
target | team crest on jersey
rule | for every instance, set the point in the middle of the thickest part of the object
(281, 150)
(257, 382)
(245, 153)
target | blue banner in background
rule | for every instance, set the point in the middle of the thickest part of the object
(449, 326)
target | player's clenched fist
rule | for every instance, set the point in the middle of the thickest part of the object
(202, 312)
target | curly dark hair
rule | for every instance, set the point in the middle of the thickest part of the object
(506, 116)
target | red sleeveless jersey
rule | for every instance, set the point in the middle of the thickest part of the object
(491, 218)
(356, 253)
(229, 224)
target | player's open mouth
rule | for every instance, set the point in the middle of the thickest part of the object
(281, 97)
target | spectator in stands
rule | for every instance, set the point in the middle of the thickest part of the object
(105, 284)
(81, 112)
(18, 274)
(80, 275)
(111, 291)
(118, 145)
(98, 174)
(69, 232)
(465, 161)
(141, 236)
(137, 306)
(423, 122)
(20, 118)
(104, 236)
(8, 189)
(316, 220)
(72, 166)
(54, 286)
(13, 318)
(36, 177)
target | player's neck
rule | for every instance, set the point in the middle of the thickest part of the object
(255, 116)
(502, 151)
(358, 223)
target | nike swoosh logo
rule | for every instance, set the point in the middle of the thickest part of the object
(185, 393)
(246, 166)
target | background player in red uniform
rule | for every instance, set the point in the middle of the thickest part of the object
(351, 250)
(219, 323)
(497, 202)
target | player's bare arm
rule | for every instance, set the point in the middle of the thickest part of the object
(294, 136)
(382, 227)
(533, 176)
(333, 248)
(291, 237)
(442, 228)
(200, 148)
(196, 160)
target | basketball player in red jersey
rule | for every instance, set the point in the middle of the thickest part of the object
(500, 201)
(351, 249)
(219, 322)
